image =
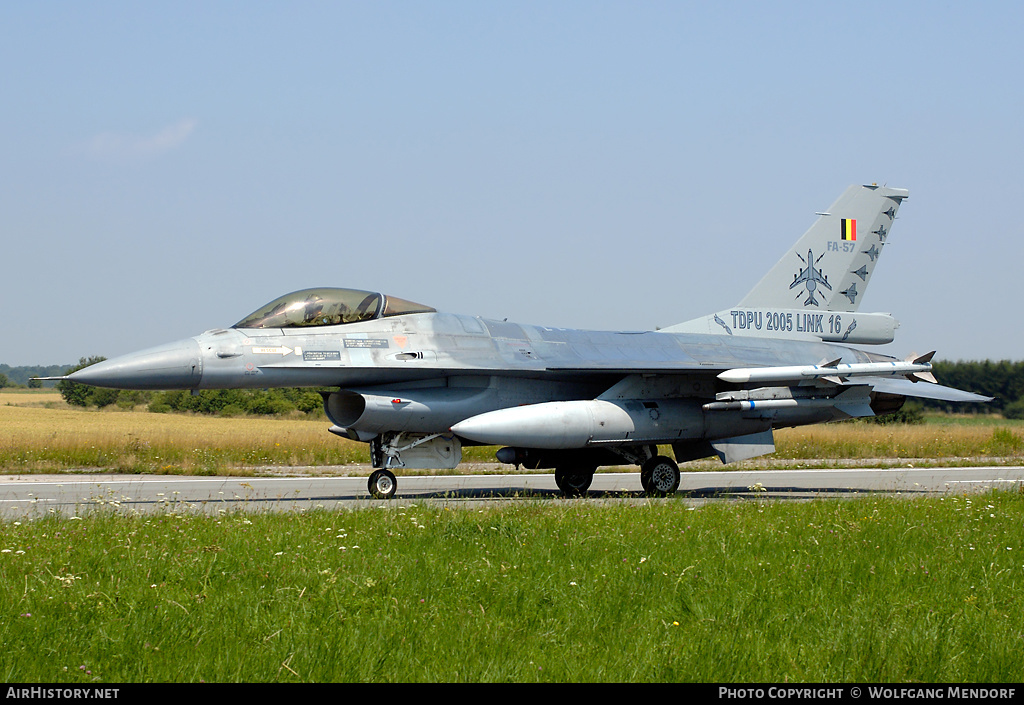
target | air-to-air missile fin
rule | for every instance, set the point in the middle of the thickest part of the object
(921, 375)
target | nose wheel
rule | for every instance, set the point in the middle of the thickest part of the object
(382, 484)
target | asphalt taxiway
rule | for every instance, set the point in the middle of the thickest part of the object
(32, 496)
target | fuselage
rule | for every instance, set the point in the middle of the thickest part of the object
(428, 346)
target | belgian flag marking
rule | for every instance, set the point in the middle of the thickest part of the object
(849, 229)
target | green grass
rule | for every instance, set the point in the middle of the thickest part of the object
(873, 589)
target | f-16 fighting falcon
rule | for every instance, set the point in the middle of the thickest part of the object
(418, 384)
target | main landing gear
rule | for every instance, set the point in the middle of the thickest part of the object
(659, 476)
(574, 479)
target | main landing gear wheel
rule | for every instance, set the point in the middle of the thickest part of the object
(659, 476)
(382, 484)
(573, 480)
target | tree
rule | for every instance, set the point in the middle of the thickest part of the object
(1014, 410)
(78, 394)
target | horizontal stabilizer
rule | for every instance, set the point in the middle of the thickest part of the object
(907, 388)
(733, 450)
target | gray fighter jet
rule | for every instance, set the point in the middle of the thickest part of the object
(418, 384)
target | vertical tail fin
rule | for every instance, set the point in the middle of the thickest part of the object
(829, 268)
(815, 290)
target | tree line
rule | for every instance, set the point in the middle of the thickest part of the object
(22, 376)
(1003, 380)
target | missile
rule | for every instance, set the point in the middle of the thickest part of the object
(915, 368)
(852, 402)
(765, 404)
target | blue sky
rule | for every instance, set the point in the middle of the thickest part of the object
(169, 167)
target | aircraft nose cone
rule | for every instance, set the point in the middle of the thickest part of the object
(177, 365)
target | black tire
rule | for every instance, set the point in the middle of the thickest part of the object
(659, 476)
(574, 480)
(382, 484)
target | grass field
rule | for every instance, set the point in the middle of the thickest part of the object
(30, 397)
(875, 590)
(45, 435)
(49, 439)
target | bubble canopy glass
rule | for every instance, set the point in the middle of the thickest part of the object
(328, 307)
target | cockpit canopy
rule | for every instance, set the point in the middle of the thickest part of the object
(328, 307)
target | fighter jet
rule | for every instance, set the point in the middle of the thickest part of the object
(418, 384)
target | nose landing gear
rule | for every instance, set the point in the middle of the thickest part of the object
(382, 484)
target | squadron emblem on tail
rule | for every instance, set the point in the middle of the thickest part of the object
(810, 277)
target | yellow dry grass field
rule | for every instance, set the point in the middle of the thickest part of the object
(48, 439)
(929, 440)
(30, 426)
(30, 397)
